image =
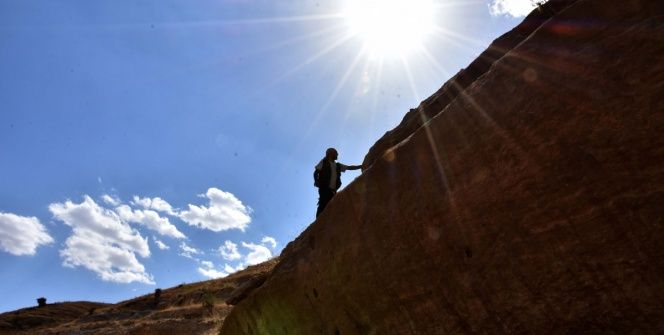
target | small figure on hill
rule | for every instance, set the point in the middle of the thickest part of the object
(41, 301)
(327, 177)
(157, 297)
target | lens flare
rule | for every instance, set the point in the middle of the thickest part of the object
(390, 27)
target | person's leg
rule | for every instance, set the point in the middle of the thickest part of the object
(321, 200)
(324, 196)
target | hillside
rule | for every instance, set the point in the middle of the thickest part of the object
(179, 310)
(526, 198)
(48, 316)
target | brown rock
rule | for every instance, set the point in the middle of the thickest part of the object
(457, 84)
(532, 204)
(246, 288)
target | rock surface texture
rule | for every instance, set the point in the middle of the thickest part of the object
(529, 202)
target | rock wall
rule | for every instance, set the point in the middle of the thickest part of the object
(533, 203)
(433, 105)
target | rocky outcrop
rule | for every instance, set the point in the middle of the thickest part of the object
(531, 204)
(433, 105)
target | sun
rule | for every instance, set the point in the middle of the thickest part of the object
(390, 27)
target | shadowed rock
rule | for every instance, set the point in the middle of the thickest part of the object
(433, 105)
(246, 288)
(531, 204)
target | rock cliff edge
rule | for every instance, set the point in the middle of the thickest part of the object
(526, 198)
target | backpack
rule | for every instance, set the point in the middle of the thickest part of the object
(321, 180)
(316, 178)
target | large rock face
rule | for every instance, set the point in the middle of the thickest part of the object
(433, 105)
(533, 203)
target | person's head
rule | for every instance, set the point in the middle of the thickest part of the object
(331, 154)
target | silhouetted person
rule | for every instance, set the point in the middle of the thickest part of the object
(327, 177)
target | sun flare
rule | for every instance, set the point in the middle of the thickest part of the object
(390, 27)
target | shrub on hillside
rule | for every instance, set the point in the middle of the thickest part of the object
(208, 301)
(41, 301)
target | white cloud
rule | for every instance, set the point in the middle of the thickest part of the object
(150, 219)
(212, 273)
(102, 242)
(158, 204)
(515, 8)
(161, 245)
(258, 254)
(224, 212)
(108, 261)
(229, 251)
(189, 252)
(207, 269)
(229, 269)
(21, 235)
(143, 202)
(270, 240)
(110, 200)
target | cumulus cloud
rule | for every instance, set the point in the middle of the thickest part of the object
(108, 261)
(20, 235)
(102, 242)
(110, 200)
(207, 269)
(157, 204)
(224, 212)
(150, 219)
(229, 269)
(189, 252)
(161, 245)
(211, 272)
(229, 251)
(515, 8)
(258, 253)
(269, 240)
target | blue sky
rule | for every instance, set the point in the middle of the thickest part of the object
(146, 144)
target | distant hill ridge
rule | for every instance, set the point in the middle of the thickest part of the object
(178, 310)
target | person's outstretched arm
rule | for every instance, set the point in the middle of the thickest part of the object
(354, 167)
